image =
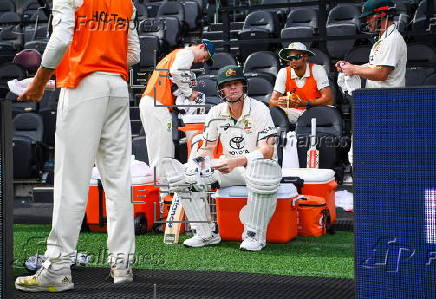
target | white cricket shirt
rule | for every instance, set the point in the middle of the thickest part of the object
(239, 137)
(389, 50)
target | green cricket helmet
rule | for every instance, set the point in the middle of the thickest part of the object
(371, 7)
(230, 73)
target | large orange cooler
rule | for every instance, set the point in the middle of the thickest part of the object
(145, 199)
(318, 182)
(282, 227)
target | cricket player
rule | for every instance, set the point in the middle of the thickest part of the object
(92, 45)
(387, 61)
(307, 83)
(388, 58)
(247, 134)
(172, 73)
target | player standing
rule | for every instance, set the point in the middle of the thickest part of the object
(92, 45)
(172, 72)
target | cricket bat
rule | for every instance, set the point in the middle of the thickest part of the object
(312, 152)
(173, 222)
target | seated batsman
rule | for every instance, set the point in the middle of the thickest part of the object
(247, 134)
(301, 85)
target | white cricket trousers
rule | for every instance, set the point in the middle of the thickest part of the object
(92, 125)
(157, 122)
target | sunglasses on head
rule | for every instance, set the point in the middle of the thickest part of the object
(295, 57)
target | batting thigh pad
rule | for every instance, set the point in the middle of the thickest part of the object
(197, 210)
(263, 178)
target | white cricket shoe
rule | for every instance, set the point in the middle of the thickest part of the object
(46, 280)
(122, 275)
(197, 241)
(251, 243)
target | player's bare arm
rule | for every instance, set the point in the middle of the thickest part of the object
(378, 73)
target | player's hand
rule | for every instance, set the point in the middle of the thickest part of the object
(283, 101)
(225, 165)
(195, 94)
(293, 100)
(33, 93)
(340, 64)
(348, 69)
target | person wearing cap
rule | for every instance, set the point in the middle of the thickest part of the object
(387, 61)
(301, 85)
(90, 58)
(246, 131)
(172, 73)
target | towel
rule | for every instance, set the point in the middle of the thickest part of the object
(348, 84)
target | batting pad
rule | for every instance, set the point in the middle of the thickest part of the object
(263, 178)
(197, 210)
(172, 173)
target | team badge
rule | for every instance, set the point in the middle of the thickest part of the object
(230, 72)
(247, 124)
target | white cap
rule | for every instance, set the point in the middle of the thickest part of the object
(294, 46)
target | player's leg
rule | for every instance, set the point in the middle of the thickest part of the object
(113, 161)
(157, 122)
(80, 116)
(263, 179)
(293, 114)
(194, 203)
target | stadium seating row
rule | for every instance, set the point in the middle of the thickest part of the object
(343, 20)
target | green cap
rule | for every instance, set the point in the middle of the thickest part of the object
(230, 73)
(371, 7)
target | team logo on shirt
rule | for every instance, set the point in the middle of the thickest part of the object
(230, 72)
(247, 124)
(237, 142)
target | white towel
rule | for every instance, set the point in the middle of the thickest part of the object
(344, 199)
(348, 84)
(18, 87)
(290, 155)
(182, 100)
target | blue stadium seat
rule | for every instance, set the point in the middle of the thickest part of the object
(207, 86)
(37, 27)
(344, 14)
(430, 80)
(258, 25)
(172, 9)
(139, 149)
(11, 34)
(259, 89)
(6, 6)
(192, 14)
(264, 64)
(301, 22)
(221, 59)
(27, 139)
(329, 132)
(38, 45)
(150, 51)
(358, 55)
(320, 58)
(338, 48)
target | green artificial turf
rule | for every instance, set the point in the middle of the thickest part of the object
(327, 256)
